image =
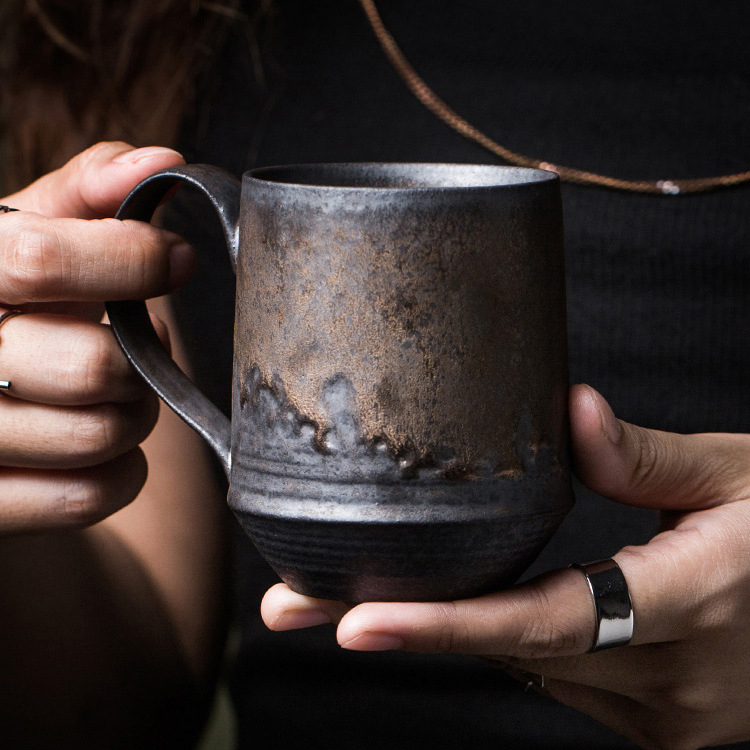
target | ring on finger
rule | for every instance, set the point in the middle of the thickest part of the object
(7, 315)
(613, 608)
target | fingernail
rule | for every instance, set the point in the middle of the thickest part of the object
(369, 641)
(610, 424)
(295, 619)
(139, 154)
(181, 265)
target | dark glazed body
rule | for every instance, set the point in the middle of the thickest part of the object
(399, 426)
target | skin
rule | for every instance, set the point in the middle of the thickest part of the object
(682, 682)
(99, 590)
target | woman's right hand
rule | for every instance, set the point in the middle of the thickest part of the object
(76, 411)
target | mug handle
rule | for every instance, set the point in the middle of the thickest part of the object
(130, 319)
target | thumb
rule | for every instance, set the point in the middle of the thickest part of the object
(651, 468)
(94, 183)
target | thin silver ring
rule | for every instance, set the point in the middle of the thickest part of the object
(613, 608)
(7, 315)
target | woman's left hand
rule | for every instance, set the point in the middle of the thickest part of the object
(683, 681)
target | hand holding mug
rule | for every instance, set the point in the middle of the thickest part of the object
(75, 410)
(682, 681)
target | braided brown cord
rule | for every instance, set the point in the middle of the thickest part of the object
(443, 111)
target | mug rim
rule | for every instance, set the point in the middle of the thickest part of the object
(354, 176)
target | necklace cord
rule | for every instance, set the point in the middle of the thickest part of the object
(419, 88)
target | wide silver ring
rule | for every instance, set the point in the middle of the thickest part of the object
(612, 606)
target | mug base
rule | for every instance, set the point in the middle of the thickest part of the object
(356, 588)
(396, 561)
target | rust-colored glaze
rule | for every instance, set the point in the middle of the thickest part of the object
(443, 308)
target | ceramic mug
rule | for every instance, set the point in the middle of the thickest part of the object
(399, 419)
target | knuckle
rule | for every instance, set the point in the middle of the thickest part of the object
(96, 494)
(36, 263)
(96, 433)
(142, 252)
(450, 633)
(545, 636)
(83, 504)
(635, 554)
(647, 458)
(92, 368)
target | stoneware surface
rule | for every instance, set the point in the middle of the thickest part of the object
(399, 400)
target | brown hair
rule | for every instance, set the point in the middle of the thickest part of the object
(73, 72)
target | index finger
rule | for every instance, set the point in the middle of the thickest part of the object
(550, 615)
(673, 582)
(46, 260)
(492, 624)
